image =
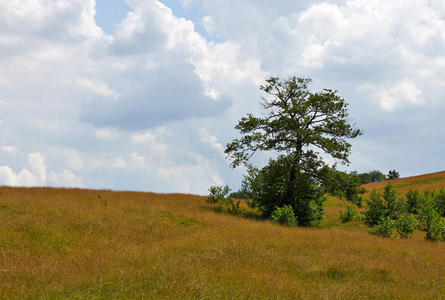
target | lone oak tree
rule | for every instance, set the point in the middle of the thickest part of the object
(297, 124)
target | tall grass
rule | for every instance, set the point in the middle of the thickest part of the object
(67, 243)
(433, 181)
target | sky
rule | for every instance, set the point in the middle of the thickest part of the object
(144, 94)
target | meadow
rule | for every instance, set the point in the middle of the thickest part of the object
(100, 244)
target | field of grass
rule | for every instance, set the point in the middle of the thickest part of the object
(72, 244)
(433, 181)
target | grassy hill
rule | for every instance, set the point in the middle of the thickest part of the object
(77, 244)
(433, 181)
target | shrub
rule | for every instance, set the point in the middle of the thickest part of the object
(436, 230)
(388, 205)
(234, 206)
(284, 215)
(372, 176)
(279, 184)
(218, 196)
(406, 225)
(385, 228)
(414, 201)
(343, 185)
(430, 221)
(350, 214)
(375, 209)
(440, 202)
(395, 205)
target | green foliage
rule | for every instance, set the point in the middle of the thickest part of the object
(406, 225)
(234, 206)
(430, 220)
(350, 214)
(389, 212)
(372, 176)
(440, 202)
(393, 174)
(343, 185)
(414, 201)
(395, 205)
(294, 124)
(375, 209)
(218, 196)
(269, 188)
(284, 215)
(378, 207)
(240, 194)
(436, 231)
(295, 119)
(384, 228)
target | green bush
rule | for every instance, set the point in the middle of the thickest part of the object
(279, 184)
(430, 221)
(385, 228)
(440, 202)
(375, 209)
(414, 201)
(406, 225)
(395, 205)
(343, 185)
(218, 196)
(436, 230)
(350, 214)
(389, 205)
(234, 206)
(372, 176)
(284, 215)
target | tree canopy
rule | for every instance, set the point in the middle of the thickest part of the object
(294, 120)
(299, 125)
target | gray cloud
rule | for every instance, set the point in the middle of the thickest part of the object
(171, 93)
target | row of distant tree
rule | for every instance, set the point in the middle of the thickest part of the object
(375, 176)
(369, 177)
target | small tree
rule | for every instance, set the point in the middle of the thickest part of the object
(430, 221)
(440, 202)
(375, 209)
(390, 205)
(284, 215)
(394, 205)
(405, 225)
(393, 174)
(372, 176)
(350, 214)
(414, 201)
(295, 123)
(219, 197)
(343, 185)
(384, 228)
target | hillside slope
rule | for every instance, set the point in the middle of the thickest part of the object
(86, 244)
(432, 181)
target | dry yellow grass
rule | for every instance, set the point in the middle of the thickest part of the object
(69, 244)
(433, 181)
